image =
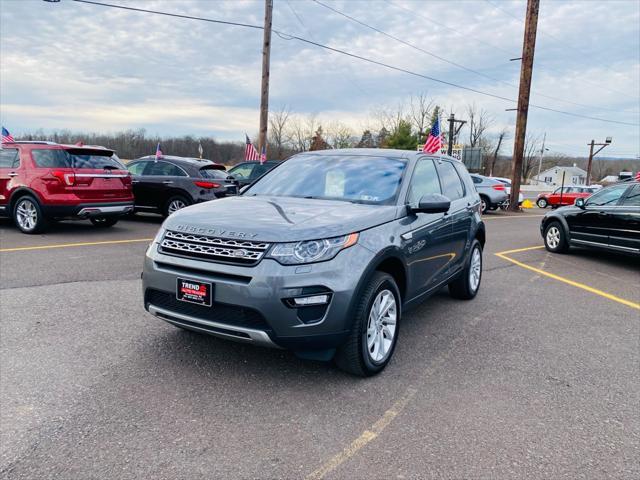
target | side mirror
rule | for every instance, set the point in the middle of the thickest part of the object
(580, 203)
(431, 203)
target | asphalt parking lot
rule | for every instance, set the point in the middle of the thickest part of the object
(538, 377)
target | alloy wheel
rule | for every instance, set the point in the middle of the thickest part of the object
(475, 270)
(381, 327)
(176, 205)
(26, 214)
(553, 237)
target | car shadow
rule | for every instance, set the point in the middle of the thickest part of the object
(617, 259)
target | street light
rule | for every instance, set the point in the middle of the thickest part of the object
(592, 154)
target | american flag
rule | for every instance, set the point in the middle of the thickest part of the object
(158, 152)
(6, 136)
(434, 140)
(263, 155)
(250, 152)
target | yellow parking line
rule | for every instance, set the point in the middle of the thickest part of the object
(507, 252)
(568, 281)
(68, 245)
(366, 437)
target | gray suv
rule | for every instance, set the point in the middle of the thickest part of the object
(322, 254)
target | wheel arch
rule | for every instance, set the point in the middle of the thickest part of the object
(19, 193)
(389, 261)
(560, 219)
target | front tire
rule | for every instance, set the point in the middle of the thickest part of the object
(374, 334)
(28, 216)
(555, 238)
(542, 203)
(466, 286)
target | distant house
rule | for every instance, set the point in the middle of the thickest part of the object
(552, 177)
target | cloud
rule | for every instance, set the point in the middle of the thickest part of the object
(86, 67)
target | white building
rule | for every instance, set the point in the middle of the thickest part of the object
(552, 177)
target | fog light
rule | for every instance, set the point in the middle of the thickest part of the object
(313, 300)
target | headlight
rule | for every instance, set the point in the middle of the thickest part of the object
(159, 235)
(311, 251)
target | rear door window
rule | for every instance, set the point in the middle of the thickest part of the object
(450, 180)
(137, 168)
(164, 169)
(9, 158)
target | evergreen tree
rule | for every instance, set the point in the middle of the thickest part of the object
(403, 138)
(383, 136)
(366, 141)
(317, 141)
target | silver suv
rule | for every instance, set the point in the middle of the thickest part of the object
(322, 254)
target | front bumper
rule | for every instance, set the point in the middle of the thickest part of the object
(249, 302)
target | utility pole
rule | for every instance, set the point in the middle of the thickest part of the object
(264, 96)
(453, 131)
(544, 139)
(526, 69)
(592, 154)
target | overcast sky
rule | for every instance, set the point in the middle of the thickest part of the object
(83, 67)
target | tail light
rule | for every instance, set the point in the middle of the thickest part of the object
(202, 184)
(65, 177)
(498, 186)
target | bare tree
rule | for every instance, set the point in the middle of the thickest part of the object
(493, 151)
(532, 145)
(478, 121)
(339, 135)
(301, 130)
(419, 114)
(278, 137)
(390, 118)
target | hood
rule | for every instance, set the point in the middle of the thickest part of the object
(278, 219)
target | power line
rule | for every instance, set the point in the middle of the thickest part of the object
(582, 53)
(306, 28)
(286, 36)
(415, 47)
(408, 44)
(511, 54)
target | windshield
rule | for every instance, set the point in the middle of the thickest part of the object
(208, 172)
(353, 178)
(76, 158)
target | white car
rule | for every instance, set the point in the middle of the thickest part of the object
(507, 184)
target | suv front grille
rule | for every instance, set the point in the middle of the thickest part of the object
(231, 315)
(213, 249)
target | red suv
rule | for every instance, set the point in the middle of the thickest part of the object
(42, 181)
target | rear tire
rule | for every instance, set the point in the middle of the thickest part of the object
(485, 204)
(175, 203)
(555, 238)
(467, 285)
(374, 333)
(103, 222)
(542, 203)
(28, 216)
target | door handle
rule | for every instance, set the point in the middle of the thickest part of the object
(12, 174)
(135, 181)
(167, 182)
